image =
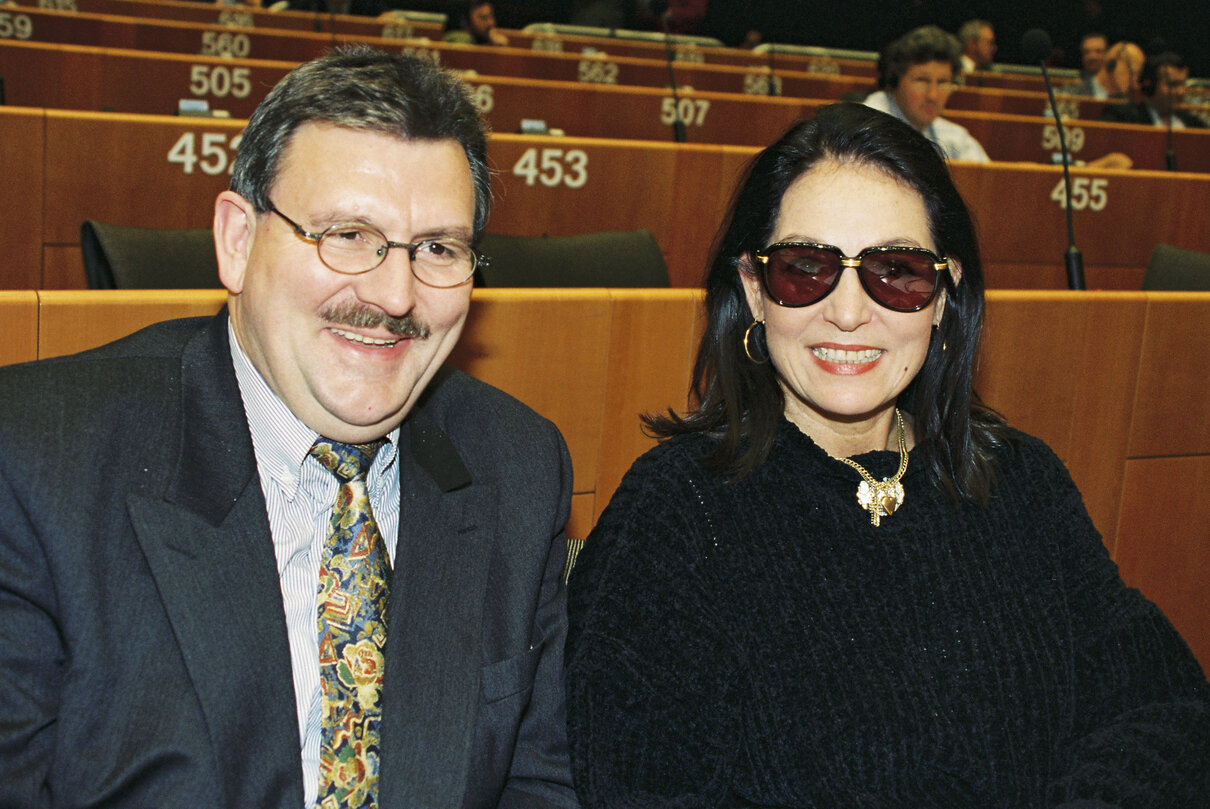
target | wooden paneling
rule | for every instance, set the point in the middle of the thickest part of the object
(1042, 366)
(19, 314)
(22, 155)
(1172, 403)
(1164, 541)
(70, 321)
(544, 328)
(653, 341)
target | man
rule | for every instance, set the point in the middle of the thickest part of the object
(978, 40)
(1092, 59)
(1162, 87)
(478, 26)
(1119, 75)
(916, 74)
(197, 602)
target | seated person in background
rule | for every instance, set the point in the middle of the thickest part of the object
(1162, 87)
(1118, 76)
(978, 39)
(1092, 58)
(478, 26)
(840, 580)
(917, 73)
(916, 76)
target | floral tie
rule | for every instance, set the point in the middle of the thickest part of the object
(353, 582)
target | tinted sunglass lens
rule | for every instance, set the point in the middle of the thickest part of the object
(800, 275)
(903, 280)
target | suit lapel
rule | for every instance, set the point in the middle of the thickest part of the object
(208, 545)
(434, 646)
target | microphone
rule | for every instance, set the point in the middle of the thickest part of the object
(1037, 47)
(661, 10)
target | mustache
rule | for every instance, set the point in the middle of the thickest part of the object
(366, 317)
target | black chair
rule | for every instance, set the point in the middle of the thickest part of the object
(122, 257)
(1177, 269)
(621, 258)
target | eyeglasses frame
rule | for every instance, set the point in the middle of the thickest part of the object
(941, 264)
(477, 261)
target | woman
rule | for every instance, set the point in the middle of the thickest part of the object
(840, 581)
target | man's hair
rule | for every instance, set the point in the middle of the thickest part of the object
(742, 403)
(1094, 35)
(362, 88)
(971, 30)
(922, 45)
(1149, 76)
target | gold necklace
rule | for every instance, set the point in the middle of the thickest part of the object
(882, 498)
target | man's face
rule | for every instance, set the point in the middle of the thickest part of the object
(1092, 54)
(1170, 86)
(923, 91)
(482, 20)
(985, 47)
(317, 336)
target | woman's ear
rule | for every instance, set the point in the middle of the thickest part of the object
(749, 275)
(955, 271)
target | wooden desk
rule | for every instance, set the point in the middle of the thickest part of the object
(1122, 403)
(165, 172)
(248, 17)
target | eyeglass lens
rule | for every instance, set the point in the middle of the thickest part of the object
(438, 262)
(900, 279)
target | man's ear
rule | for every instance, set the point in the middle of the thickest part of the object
(749, 276)
(234, 227)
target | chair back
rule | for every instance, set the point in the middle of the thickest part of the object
(619, 258)
(1177, 269)
(123, 257)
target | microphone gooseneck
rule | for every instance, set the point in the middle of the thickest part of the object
(1036, 46)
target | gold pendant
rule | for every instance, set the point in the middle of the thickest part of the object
(880, 499)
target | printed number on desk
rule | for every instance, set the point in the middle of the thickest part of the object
(1086, 193)
(1050, 138)
(212, 152)
(690, 110)
(220, 81)
(594, 72)
(15, 26)
(225, 43)
(553, 167)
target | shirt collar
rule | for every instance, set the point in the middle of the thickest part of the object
(282, 442)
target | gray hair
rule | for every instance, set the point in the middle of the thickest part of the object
(363, 88)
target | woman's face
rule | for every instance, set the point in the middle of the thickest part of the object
(842, 362)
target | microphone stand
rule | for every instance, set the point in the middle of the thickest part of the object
(1073, 258)
(678, 125)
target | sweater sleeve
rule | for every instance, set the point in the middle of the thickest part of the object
(650, 676)
(1140, 702)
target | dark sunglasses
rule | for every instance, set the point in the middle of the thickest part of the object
(903, 279)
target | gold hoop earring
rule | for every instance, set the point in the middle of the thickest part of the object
(747, 345)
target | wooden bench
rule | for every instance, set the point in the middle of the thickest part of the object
(1114, 382)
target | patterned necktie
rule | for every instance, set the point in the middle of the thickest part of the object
(353, 581)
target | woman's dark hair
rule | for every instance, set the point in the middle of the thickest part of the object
(741, 401)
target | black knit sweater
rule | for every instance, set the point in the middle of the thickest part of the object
(760, 643)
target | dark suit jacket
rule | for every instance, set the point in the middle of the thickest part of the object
(1140, 114)
(143, 652)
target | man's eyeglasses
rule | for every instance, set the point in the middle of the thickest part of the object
(903, 279)
(355, 249)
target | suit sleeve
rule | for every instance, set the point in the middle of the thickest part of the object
(540, 776)
(31, 659)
